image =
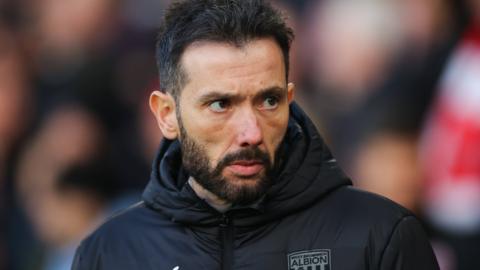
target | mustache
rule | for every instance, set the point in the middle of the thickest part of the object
(250, 153)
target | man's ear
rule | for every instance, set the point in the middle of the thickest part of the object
(163, 108)
(290, 92)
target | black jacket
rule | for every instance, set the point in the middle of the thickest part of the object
(310, 219)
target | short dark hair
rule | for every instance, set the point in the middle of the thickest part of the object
(231, 21)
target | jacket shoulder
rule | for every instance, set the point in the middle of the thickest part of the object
(116, 235)
(392, 236)
(124, 223)
(366, 206)
(365, 217)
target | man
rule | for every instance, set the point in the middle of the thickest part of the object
(243, 179)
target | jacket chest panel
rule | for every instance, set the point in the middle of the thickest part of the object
(304, 242)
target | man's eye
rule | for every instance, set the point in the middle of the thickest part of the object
(219, 106)
(270, 103)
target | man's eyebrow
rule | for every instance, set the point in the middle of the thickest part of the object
(211, 96)
(277, 91)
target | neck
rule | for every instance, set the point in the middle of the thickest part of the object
(213, 200)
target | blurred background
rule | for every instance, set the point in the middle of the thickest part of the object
(393, 85)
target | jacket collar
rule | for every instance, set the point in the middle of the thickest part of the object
(306, 173)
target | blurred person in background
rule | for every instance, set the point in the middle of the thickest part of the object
(68, 31)
(90, 52)
(387, 164)
(63, 183)
(381, 136)
(379, 89)
(361, 54)
(15, 93)
(450, 153)
(350, 50)
(75, 204)
(71, 51)
(78, 52)
(15, 110)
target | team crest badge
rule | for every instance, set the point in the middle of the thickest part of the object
(318, 259)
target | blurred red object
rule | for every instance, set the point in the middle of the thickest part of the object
(451, 143)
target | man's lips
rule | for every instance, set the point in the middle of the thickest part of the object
(246, 167)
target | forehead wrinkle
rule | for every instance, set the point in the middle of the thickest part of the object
(240, 71)
(237, 57)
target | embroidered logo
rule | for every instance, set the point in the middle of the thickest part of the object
(318, 259)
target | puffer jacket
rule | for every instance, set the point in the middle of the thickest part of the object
(311, 218)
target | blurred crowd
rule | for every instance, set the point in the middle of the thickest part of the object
(393, 85)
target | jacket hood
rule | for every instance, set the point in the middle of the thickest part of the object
(307, 173)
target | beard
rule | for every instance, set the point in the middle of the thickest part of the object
(198, 165)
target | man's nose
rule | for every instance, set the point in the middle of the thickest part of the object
(248, 129)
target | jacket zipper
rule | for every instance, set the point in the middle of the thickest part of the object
(226, 238)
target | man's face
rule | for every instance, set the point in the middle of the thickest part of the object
(232, 116)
